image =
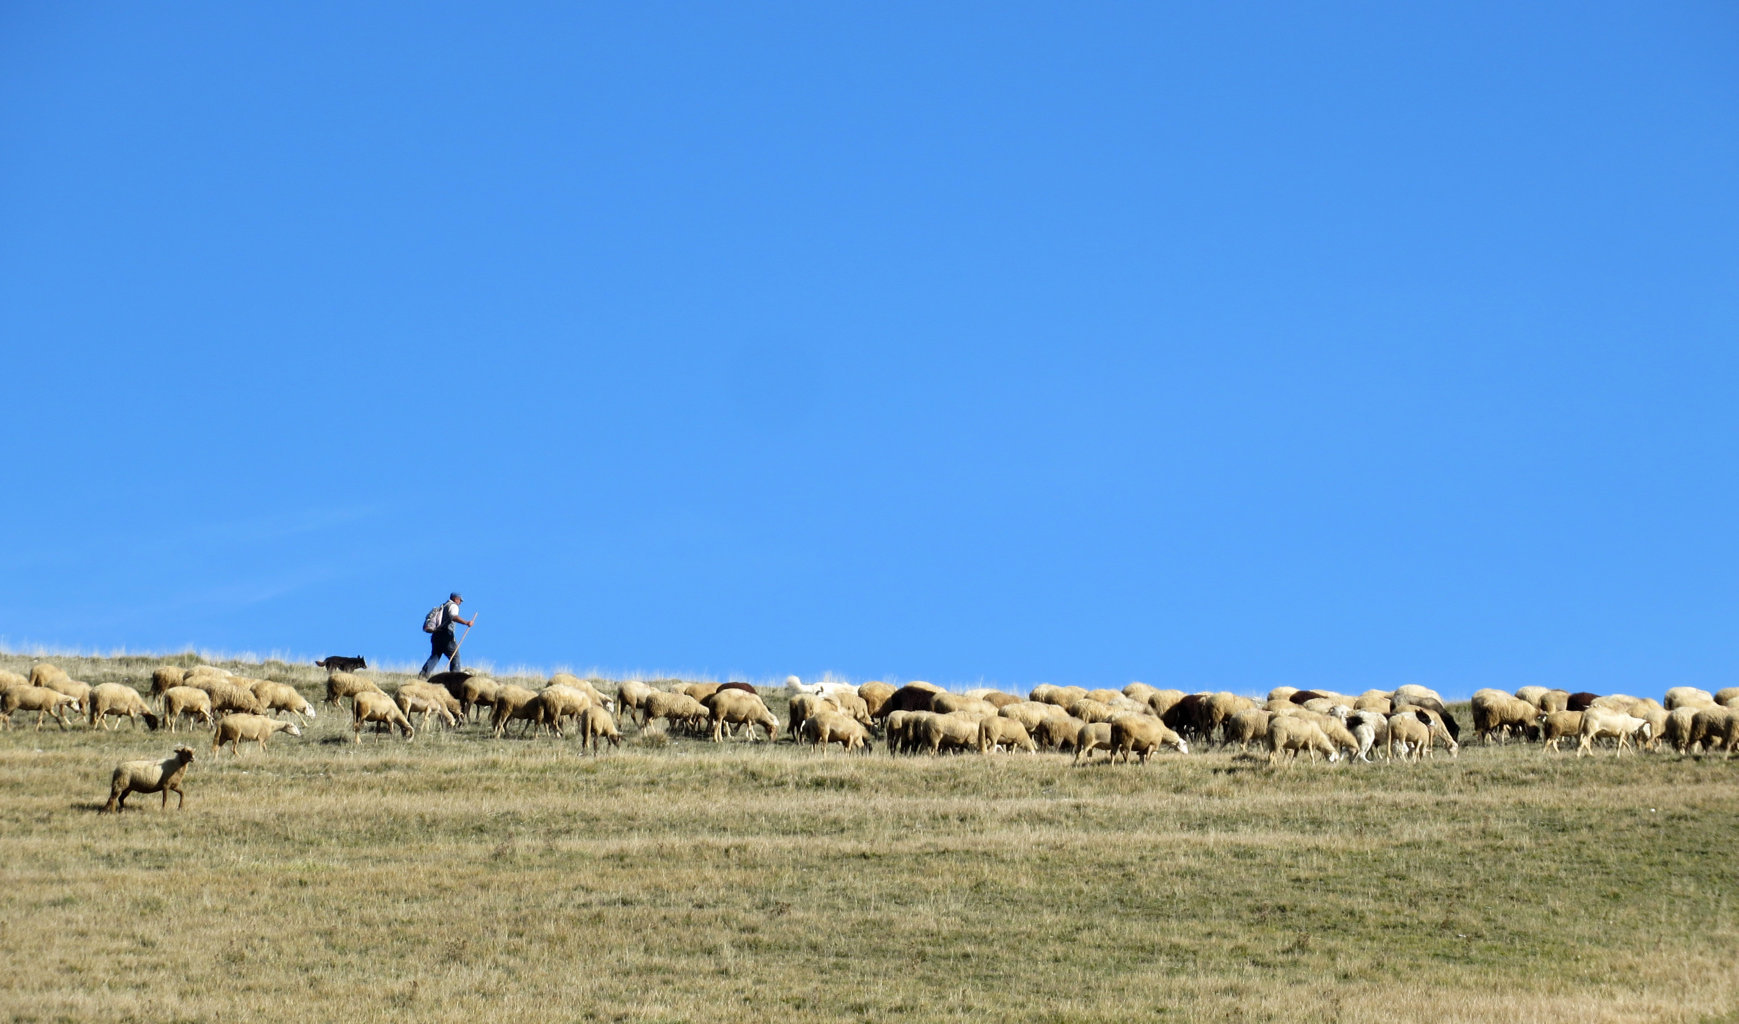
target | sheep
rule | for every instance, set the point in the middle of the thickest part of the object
(1375, 700)
(1282, 693)
(186, 700)
(855, 706)
(595, 724)
(910, 697)
(232, 729)
(1191, 717)
(804, 706)
(514, 703)
(40, 699)
(827, 727)
(149, 776)
(1715, 728)
(1555, 725)
(1531, 694)
(1438, 724)
(1651, 712)
(476, 691)
(226, 696)
(1581, 700)
(1061, 696)
(1246, 727)
(375, 706)
(43, 672)
(630, 696)
(948, 703)
(1369, 727)
(1687, 697)
(340, 685)
(699, 691)
(1161, 701)
(431, 701)
(1603, 721)
(1089, 710)
(11, 680)
(996, 731)
(1091, 736)
(1499, 712)
(734, 706)
(1288, 734)
(1728, 698)
(1142, 735)
(1554, 700)
(165, 678)
(278, 697)
(875, 693)
(675, 708)
(1104, 696)
(585, 686)
(1029, 713)
(52, 678)
(1139, 692)
(897, 730)
(956, 732)
(1677, 731)
(1410, 733)
(1442, 719)
(1056, 731)
(119, 699)
(560, 701)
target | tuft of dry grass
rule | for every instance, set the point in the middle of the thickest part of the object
(460, 878)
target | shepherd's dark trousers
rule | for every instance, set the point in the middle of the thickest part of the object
(441, 645)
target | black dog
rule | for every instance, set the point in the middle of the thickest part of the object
(339, 663)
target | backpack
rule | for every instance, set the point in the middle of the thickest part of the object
(435, 619)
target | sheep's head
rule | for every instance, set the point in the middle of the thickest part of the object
(292, 729)
(1183, 745)
(1333, 756)
(151, 721)
(185, 754)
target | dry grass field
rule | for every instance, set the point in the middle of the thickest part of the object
(465, 879)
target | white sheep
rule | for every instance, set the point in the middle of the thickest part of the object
(186, 700)
(1599, 721)
(150, 777)
(375, 706)
(39, 699)
(120, 700)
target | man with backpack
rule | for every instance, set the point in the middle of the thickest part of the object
(439, 625)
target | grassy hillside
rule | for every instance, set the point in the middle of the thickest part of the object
(460, 878)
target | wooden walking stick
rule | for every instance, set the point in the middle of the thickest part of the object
(461, 642)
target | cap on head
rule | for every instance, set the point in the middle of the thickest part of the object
(455, 596)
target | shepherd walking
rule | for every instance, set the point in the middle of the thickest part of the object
(439, 625)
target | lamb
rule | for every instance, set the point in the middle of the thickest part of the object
(1288, 734)
(39, 699)
(375, 706)
(340, 685)
(1142, 735)
(595, 724)
(232, 729)
(149, 776)
(1600, 721)
(186, 700)
(118, 699)
(278, 697)
(827, 727)
(734, 706)
(997, 731)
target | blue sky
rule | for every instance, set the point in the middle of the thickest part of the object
(1216, 346)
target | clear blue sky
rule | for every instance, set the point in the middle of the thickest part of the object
(1214, 346)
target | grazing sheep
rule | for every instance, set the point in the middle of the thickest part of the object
(42, 673)
(1089, 710)
(1410, 733)
(1288, 734)
(119, 700)
(1091, 736)
(1282, 693)
(1495, 711)
(997, 731)
(910, 697)
(165, 678)
(1555, 725)
(1246, 727)
(897, 729)
(1677, 731)
(1061, 696)
(1369, 727)
(1139, 692)
(1601, 721)
(955, 732)
(1728, 698)
(375, 706)
(1651, 712)
(187, 700)
(340, 685)
(429, 701)
(40, 699)
(150, 777)
(563, 701)
(1029, 713)
(1442, 719)
(804, 706)
(733, 707)
(1057, 731)
(1716, 728)
(1192, 717)
(514, 703)
(54, 679)
(1142, 735)
(828, 727)
(12, 680)
(675, 708)
(1554, 700)
(699, 691)
(1375, 700)
(1687, 697)
(1620, 702)
(595, 724)
(232, 729)
(853, 705)
(228, 696)
(630, 698)
(875, 693)
(948, 703)
(278, 697)
(585, 686)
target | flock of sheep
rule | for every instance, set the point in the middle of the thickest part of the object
(1135, 723)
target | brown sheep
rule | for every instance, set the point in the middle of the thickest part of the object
(232, 729)
(165, 678)
(150, 777)
(596, 724)
(1495, 711)
(375, 706)
(1555, 725)
(340, 685)
(733, 707)
(875, 693)
(910, 697)
(514, 703)
(40, 699)
(119, 700)
(630, 697)
(187, 700)
(1091, 736)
